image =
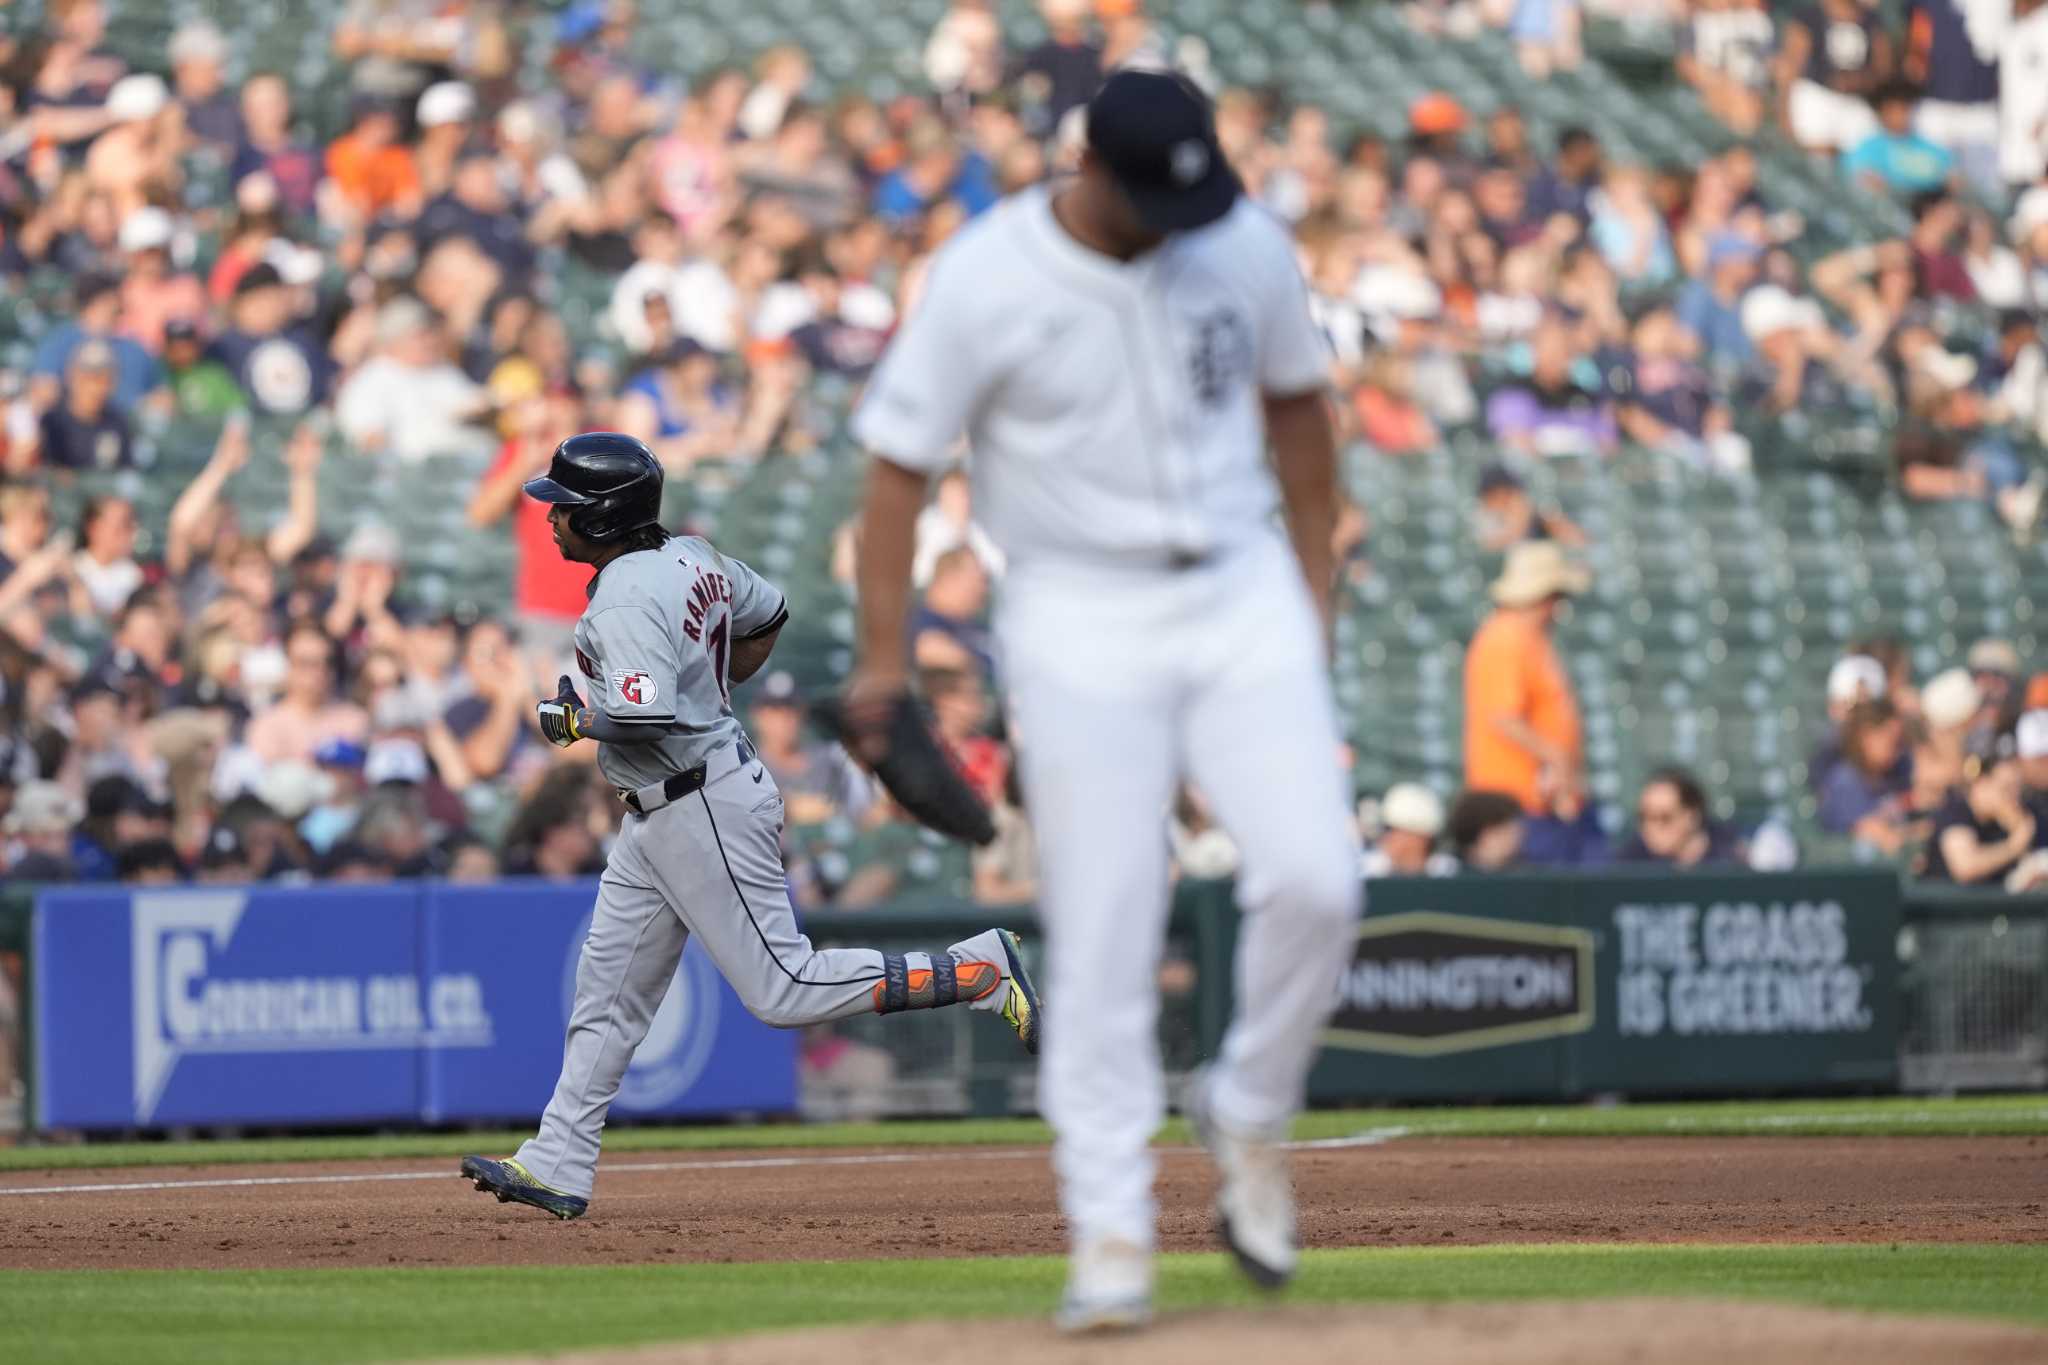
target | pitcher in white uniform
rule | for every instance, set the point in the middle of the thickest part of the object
(671, 626)
(1120, 351)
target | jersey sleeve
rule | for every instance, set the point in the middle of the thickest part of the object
(757, 605)
(1294, 356)
(638, 667)
(928, 382)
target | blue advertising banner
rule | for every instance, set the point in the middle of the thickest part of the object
(310, 1005)
(704, 1054)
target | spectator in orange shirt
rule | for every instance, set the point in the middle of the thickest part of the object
(370, 170)
(1521, 721)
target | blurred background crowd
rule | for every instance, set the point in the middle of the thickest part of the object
(1688, 358)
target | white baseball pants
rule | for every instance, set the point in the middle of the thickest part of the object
(1123, 682)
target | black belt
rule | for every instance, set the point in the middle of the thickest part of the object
(684, 783)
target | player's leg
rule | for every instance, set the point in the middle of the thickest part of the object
(1260, 743)
(717, 854)
(635, 943)
(1098, 778)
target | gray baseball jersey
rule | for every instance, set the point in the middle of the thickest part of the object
(655, 647)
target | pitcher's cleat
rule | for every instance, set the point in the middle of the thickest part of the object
(513, 1183)
(1020, 1009)
(1109, 1289)
(1255, 1201)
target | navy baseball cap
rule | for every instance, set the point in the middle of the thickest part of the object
(1157, 135)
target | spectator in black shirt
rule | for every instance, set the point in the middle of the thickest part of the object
(1835, 57)
(1983, 829)
(151, 862)
(1672, 827)
(476, 207)
(1062, 72)
(1484, 829)
(1568, 186)
(86, 430)
(211, 114)
(279, 367)
(946, 629)
(1952, 49)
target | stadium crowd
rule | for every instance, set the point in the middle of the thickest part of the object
(215, 700)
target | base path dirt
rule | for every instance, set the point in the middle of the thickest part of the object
(1597, 1332)
(803, 1205)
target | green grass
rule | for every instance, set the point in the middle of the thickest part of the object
(1975, 1116)
(334, 1317)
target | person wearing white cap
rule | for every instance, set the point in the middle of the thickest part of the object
(140, 149)
(1411, 817)
(1854, 678)
(446, 112)
(1521, 721)
(1789, 332)
(153, 295)
(199, 55)
(2030, 741)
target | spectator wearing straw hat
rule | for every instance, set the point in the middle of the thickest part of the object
(1994, 666)
(38, 830)
(1521, 719)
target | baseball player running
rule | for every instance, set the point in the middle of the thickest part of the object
(672, 624)
(1120, 349)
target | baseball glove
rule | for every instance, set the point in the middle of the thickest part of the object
(893, 738)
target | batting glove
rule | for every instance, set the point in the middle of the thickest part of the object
(558, 715)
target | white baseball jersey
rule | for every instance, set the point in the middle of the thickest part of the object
(1151, 605)
(655, 646)
(1112, 407)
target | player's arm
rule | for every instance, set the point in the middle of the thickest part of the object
(630, 701)
(759, 612)
(913, 413)
(564, 719)
(750, 652)
(1304, 441)
(888, 542)
(1294, 373)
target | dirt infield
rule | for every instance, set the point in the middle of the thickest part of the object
(1593, 1332)
(802, 1205)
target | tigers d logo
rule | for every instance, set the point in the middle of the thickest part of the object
(1219, 354)
(1423, 984)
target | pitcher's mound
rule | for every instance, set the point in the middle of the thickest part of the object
(1582, 1332)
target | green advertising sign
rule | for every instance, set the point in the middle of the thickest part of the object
(1527, 986)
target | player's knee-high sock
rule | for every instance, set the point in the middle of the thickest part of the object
(929, 981)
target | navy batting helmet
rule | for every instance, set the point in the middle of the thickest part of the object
(610, 482)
